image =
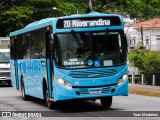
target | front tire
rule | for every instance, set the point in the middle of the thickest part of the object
(50, 104)
(24, 96)
(106, 102)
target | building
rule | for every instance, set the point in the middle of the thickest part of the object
(127, 20)
(4, 42)
(147, 32)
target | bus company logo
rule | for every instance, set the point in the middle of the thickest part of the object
(6, 114)
(94, 81)
(76, 83)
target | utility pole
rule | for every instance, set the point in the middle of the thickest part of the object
(90, 6)
(142, 35)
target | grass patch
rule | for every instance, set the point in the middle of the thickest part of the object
(144, 92)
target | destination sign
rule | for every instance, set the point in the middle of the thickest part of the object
(88, 22)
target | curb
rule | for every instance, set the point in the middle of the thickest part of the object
(144, 92)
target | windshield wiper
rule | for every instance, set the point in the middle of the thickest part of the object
(76, 39)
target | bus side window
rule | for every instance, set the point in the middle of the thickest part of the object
(26, 46)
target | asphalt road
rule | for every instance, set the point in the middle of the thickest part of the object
(10, 100)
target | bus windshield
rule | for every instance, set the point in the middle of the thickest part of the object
(90, 49)
(4, 57)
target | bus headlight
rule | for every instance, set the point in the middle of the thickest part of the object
(122, 79)
(64, 83)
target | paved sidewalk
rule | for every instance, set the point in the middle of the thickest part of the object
(144, 87)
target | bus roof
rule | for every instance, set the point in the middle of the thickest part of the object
(48, 21)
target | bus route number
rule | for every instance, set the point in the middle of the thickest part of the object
(67, 23)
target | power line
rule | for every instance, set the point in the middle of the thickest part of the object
(7, 3)
(34, 10)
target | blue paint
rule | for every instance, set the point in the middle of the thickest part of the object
(30, 68)
(33, 72)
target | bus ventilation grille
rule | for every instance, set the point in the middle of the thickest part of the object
(4, 74)
(93, 73)
(105, 90)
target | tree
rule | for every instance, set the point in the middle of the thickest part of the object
(22, 12)
(14, 18)
(141, 9)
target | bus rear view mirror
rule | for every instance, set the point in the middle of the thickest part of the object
(125, 40)
(52, 42)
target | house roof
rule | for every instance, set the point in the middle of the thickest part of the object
(153, 23)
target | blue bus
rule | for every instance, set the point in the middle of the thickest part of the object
(82, 56)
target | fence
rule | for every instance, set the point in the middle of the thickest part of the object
(145, 78)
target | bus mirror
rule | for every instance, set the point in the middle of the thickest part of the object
(52, 45)
(52, 38)
(51, 41)
(125, 40)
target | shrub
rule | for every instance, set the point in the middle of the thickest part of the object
(145, 61)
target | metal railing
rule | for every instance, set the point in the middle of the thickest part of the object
(145, 78)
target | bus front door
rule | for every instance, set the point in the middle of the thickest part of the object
(50, 71)
(16, 64)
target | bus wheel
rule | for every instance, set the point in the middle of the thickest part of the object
(106, 102)
(50, 104)
(24, 96)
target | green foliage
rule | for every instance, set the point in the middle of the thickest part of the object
(14, 18)
(16, 14)
(148, 62)
(141, 9)
(140, 45)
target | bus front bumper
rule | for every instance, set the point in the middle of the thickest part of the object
(62, 93)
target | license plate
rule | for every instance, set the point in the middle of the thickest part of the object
(95, 92)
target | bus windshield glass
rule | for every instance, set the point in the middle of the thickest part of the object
(90, 49)
(4, 57)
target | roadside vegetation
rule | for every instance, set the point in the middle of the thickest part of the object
(148, 63)
(145, 61)
(15, 14)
